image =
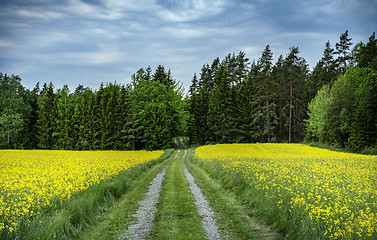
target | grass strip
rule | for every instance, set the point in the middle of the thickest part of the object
(67, 219)
(177, 216)
(234, 219)
(120, 215)
(146, 212)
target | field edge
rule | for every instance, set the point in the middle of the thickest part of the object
(65, 219)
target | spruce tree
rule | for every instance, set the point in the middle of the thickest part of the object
(282, 90)
(62, 125)
(265, 95)
(82, 118)
(367, 55)
(220, 109)
(245, 111)
(45, 117)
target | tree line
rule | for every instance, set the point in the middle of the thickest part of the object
(234, 101)
(344, 112)
(145, 114)
(231, 100)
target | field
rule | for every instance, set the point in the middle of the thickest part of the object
(319, 193)
(272, 191)
(34, 180)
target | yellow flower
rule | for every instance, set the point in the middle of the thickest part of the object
(31, 179)
(335, 191)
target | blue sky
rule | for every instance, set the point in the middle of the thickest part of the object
(88, 42)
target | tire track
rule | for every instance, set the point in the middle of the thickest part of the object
(204, 209)
(237, 221)
(146, 212)
(176, 155)
(145, 215)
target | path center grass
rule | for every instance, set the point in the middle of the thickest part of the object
(177, 216)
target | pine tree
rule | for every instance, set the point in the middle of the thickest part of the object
(282, 90)
(265, 85)
(323, 73)
(343, 50)
(328, 55)
(295, 71)
(241, 68)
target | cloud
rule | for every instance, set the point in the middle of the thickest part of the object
(38, 13)
(104, 40)
(108, 10)
(190, 10)
(184, 32)
(131, 5)
(251, 50)
(102, 55)
(91, 11)
(5, 43)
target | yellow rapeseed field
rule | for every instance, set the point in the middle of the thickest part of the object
(334, 193)
(33, 179)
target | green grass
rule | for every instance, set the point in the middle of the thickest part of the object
(177, 216)
(105, 210)
(288, 225)
(121, 214)
(67, 219)
(250, 198)
(235, 220)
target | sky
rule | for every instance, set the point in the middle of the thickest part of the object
(88, 42)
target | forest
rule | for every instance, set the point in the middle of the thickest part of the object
(146, 114)
(232, 100)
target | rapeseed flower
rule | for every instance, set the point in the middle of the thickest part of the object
(335, 192)
(31, 180)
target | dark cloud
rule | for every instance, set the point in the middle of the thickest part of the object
(88, 42)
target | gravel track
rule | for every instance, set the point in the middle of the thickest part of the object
(204, 209)
(146, 212)
(147, 209)
(176, 155)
